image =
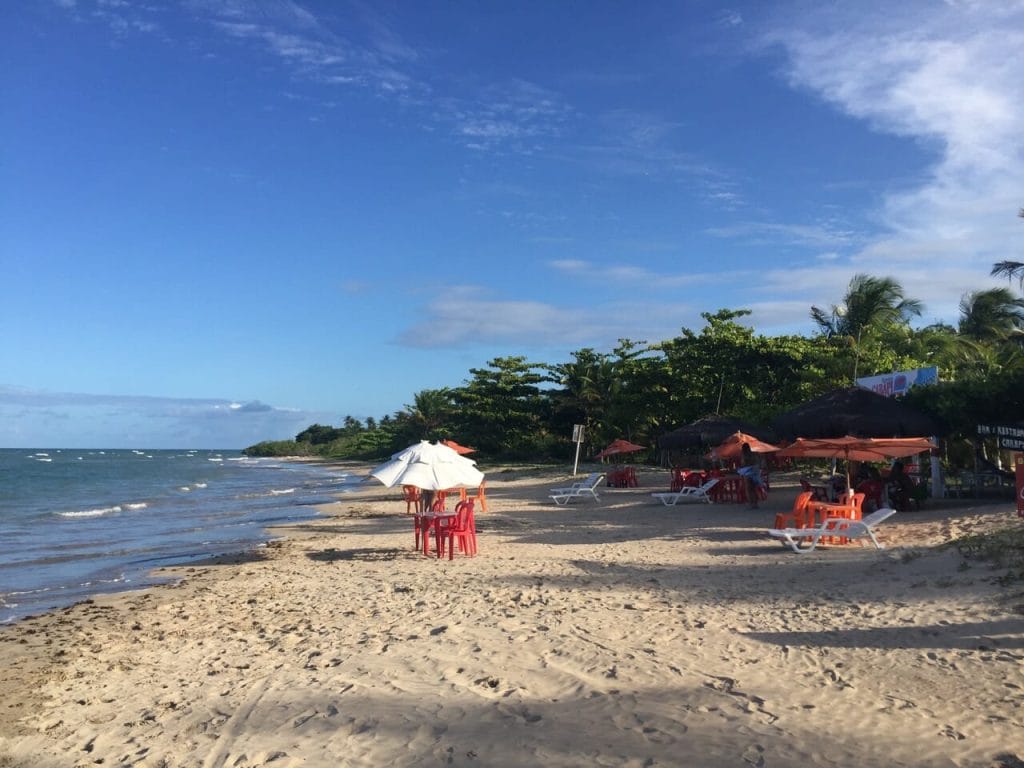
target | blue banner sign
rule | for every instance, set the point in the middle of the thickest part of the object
(897, 383)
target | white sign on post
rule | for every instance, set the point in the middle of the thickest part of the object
(577, 437)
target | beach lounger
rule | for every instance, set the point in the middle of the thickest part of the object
(832, 526)
(687, 493)
(587, 487)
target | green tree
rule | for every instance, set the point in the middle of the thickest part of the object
(872, 321)
(501, 411)
(318, 434)
(992, 315)
(430, 417)
(728, 369)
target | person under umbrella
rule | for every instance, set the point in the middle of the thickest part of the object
(750, 471)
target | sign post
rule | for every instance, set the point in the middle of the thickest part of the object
(1018, 460)
(577, 437)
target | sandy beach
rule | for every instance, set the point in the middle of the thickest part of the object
(610, 633)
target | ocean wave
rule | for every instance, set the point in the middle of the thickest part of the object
(200, 485)
(137, 505)
(91, 512)
(215, 458)
(275, 492)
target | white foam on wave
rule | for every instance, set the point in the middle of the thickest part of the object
(91, 512)
(200, 485)
(185, 488)
(275, 492)
(215, 458)
(137, 505)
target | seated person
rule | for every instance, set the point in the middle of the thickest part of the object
(900, 488)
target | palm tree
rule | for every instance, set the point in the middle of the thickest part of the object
(1010, 269)
(991, 315)
(870, 303)
(430, 414)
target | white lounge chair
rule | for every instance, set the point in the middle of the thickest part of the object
(833, 526)
(688, 493)
(587, 487)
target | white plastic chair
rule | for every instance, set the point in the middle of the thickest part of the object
(587, 487)
(687, 493)
(833, 526)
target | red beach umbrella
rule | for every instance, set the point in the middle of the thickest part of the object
(620, 446)
(852, 448)
(459, 449)
(732, 446)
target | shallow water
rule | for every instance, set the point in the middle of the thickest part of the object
(79, 522)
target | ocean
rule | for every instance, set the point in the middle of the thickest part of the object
(74, 523)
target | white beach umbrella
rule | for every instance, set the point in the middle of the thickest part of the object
(429, 466)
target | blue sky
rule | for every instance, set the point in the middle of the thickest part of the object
(221, 221)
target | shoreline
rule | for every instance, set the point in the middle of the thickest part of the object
(609, 633)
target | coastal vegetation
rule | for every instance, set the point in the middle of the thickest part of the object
(515, 408)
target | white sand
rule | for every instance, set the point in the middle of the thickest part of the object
(619, 633)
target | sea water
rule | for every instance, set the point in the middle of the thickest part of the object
(79, 522)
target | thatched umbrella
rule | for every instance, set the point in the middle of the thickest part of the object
(854, 411)
(710, 431)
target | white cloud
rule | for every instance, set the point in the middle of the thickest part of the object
(467, 317)
(951, 76)
(35, 418)
(760, 232)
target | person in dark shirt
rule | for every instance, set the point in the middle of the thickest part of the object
(899, 487)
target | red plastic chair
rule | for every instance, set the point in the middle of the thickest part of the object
(481, 496)
(678, 479)
(856, 502)
(461, 527)
(872, 489)
(423, 521)
(798, 515)
(413, 500)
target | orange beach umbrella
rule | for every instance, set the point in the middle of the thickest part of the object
(620, 446)
(459, 449)
(732, 446)
(852, 448)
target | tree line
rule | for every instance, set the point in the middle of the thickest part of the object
(516, 409)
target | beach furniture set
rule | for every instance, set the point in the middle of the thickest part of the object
(447, 529)
(843, 529)
(451, 528)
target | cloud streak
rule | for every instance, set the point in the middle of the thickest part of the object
(35, 418)
(951, 77)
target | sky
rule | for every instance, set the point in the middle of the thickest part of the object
(224, 220)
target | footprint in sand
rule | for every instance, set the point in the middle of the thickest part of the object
(950, 732)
